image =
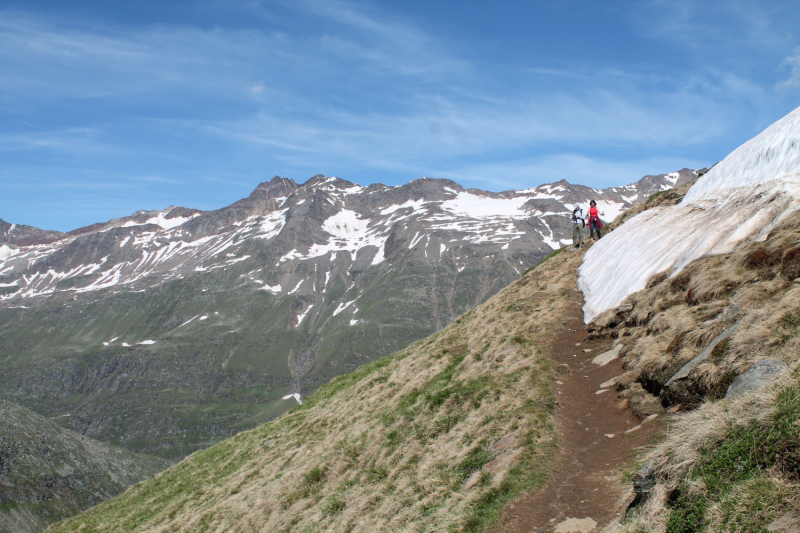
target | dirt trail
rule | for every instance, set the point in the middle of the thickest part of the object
(586, 479)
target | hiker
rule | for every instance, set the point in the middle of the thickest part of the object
(578, 223)
(595, 224)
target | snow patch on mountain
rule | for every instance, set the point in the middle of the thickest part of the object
(342, 306)
(269, 288)
(272, 224)
(345, 223)
(414, 205)
(301, 316)
(296, 397)
(349, 232)
(486, 207)
(741, 198)
(161, 220)
(296, 287)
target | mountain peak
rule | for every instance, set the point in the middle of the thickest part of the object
(277, 187)
(321, 180)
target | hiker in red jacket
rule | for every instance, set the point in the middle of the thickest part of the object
(595, 224)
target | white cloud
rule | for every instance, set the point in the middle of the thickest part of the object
(793, 81)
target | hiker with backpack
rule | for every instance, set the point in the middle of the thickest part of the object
(578, 223)
(595, 224)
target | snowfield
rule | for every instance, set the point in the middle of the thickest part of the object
(742, 198)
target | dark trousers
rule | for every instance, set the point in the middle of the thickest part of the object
(592, 228)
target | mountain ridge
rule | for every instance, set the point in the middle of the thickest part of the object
(285, 186)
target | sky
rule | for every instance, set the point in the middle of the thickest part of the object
(111, 107)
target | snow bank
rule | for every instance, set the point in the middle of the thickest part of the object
(773, 154)
(742, 198)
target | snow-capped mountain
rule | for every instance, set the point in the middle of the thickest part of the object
(741, 198)
(337, 215)
(137, 325)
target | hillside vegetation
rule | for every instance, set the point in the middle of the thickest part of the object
(436, 437)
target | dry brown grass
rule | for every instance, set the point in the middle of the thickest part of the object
(407, 443)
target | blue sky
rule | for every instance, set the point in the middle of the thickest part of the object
(110, 107)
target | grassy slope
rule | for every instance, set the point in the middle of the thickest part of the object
(726, 465)
(433, 438)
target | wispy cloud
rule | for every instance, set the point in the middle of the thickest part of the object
(793, 81)
(71, 141)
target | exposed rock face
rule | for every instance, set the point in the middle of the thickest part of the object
(644, 480)
(167, 330)
(48, 473)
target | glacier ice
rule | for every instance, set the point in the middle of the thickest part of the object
(741, 198)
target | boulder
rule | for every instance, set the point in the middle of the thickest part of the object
(606, 357)
(645, 479)
(789, 523)
(694, 363)
(576, 525)
(755, 377)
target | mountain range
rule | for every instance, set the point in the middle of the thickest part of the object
(166, 331)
